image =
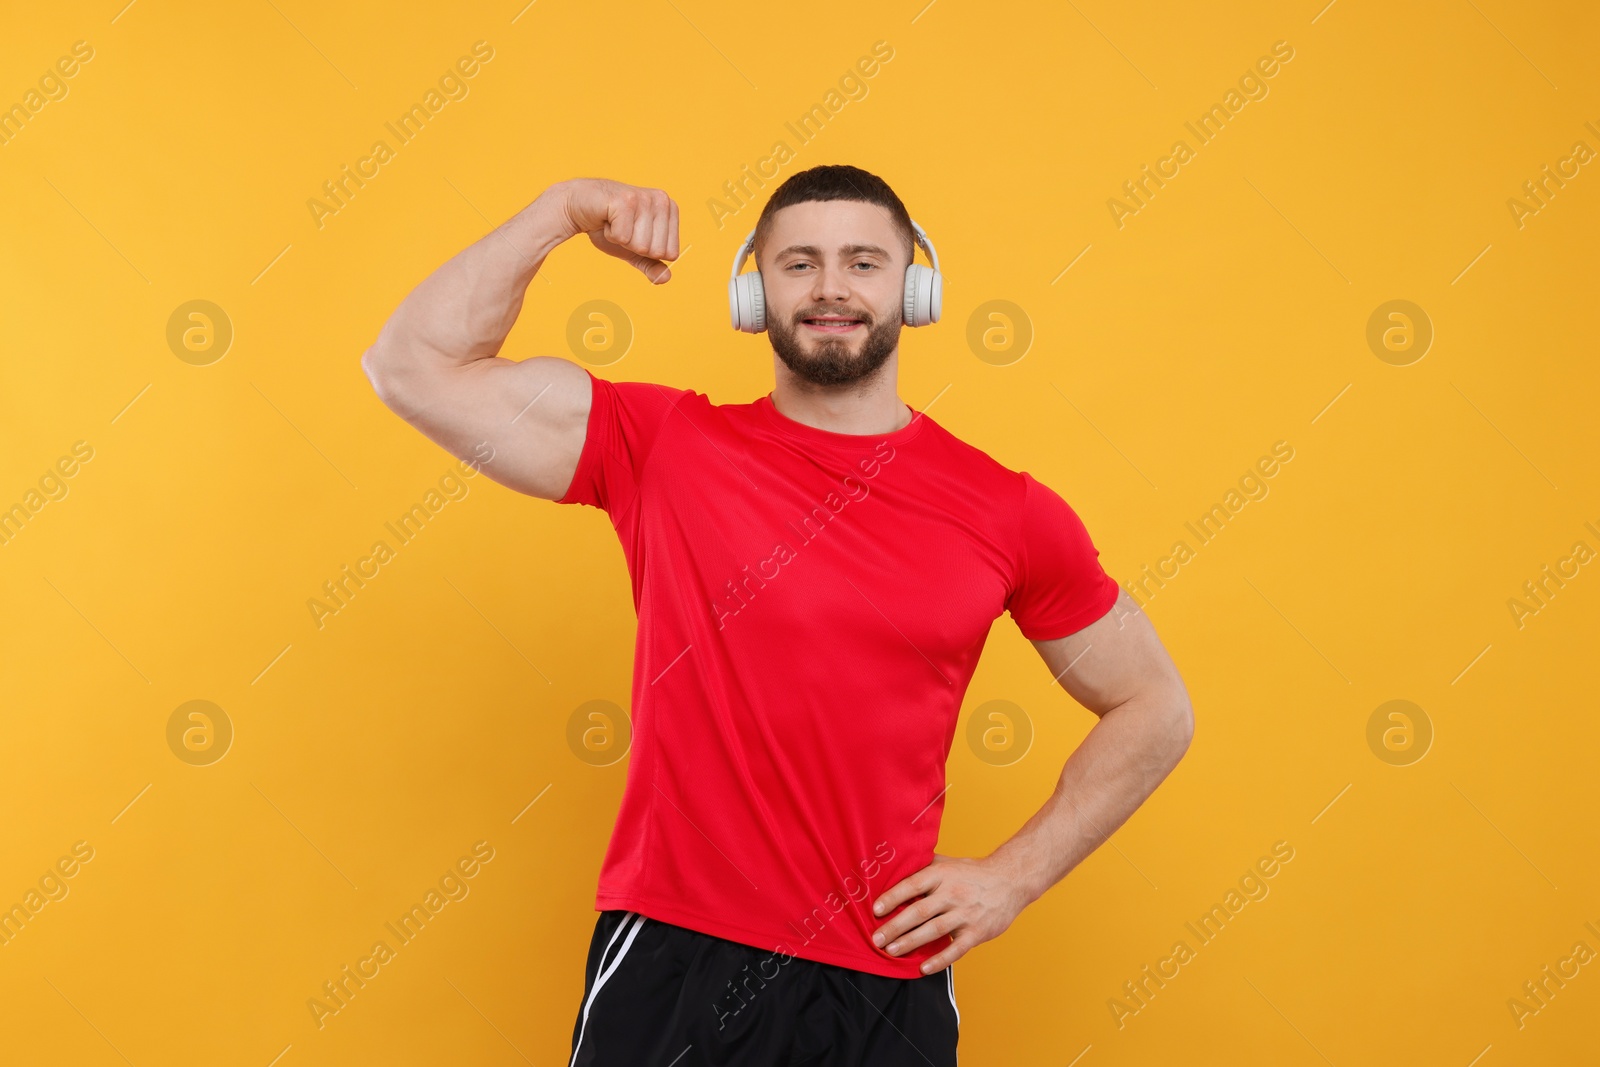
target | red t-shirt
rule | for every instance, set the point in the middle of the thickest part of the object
(811, 606)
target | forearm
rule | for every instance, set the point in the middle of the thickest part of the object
(463, 311)
(1119, 764)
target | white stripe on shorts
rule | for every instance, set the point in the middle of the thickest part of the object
(950, 984)
(600, 979)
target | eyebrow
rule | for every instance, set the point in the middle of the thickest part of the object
(847, 250)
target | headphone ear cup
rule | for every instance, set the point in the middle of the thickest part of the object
(924, 295)
(758, 302)
(747, 302)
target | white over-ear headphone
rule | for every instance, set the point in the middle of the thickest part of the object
(924, 290)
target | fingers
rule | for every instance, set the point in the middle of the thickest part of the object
(653, 236)
(655, 270)
(642, 228)
(632, 221)
(641, 238)
(658, 273)
(661, 220)
(663, 231)
(652, 269)
(913, 885)
(912, 917)
(936, 927)
(940, 960)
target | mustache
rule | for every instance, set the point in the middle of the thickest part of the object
(822, 313)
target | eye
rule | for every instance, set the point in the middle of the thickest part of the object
(869, 266)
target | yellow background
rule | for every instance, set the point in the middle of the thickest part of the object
(1228, 314)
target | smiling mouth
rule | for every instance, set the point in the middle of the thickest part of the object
(832, 324)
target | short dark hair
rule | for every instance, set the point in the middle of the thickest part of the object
(837, 182)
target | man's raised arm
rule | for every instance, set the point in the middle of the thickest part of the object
(435, 361)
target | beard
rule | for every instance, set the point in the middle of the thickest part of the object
(830, 360)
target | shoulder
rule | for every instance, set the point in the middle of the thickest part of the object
(977, 468)
(635, 403)
(659, 393)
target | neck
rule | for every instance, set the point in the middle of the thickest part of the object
(869, 406)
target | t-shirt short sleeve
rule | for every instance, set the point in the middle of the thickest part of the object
(625, 419)
(1060, 586)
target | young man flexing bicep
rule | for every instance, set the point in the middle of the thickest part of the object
(435, 362)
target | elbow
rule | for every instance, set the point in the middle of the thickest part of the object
(381, 376)
(380, 367)
(369, 367)
(1182, 723)
(372, 367)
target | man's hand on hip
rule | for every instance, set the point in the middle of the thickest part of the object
(972, 900)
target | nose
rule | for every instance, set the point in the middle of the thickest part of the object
(831, 283)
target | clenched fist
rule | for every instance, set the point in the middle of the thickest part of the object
(635, 224)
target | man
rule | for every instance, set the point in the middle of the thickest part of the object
(815, 574)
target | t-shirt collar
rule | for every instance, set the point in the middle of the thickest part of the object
(818, 436)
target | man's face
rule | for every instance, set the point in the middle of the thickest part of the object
(833, 273)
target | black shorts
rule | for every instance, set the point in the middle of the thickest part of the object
(659, 995)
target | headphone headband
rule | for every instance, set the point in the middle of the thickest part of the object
(927, 245)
